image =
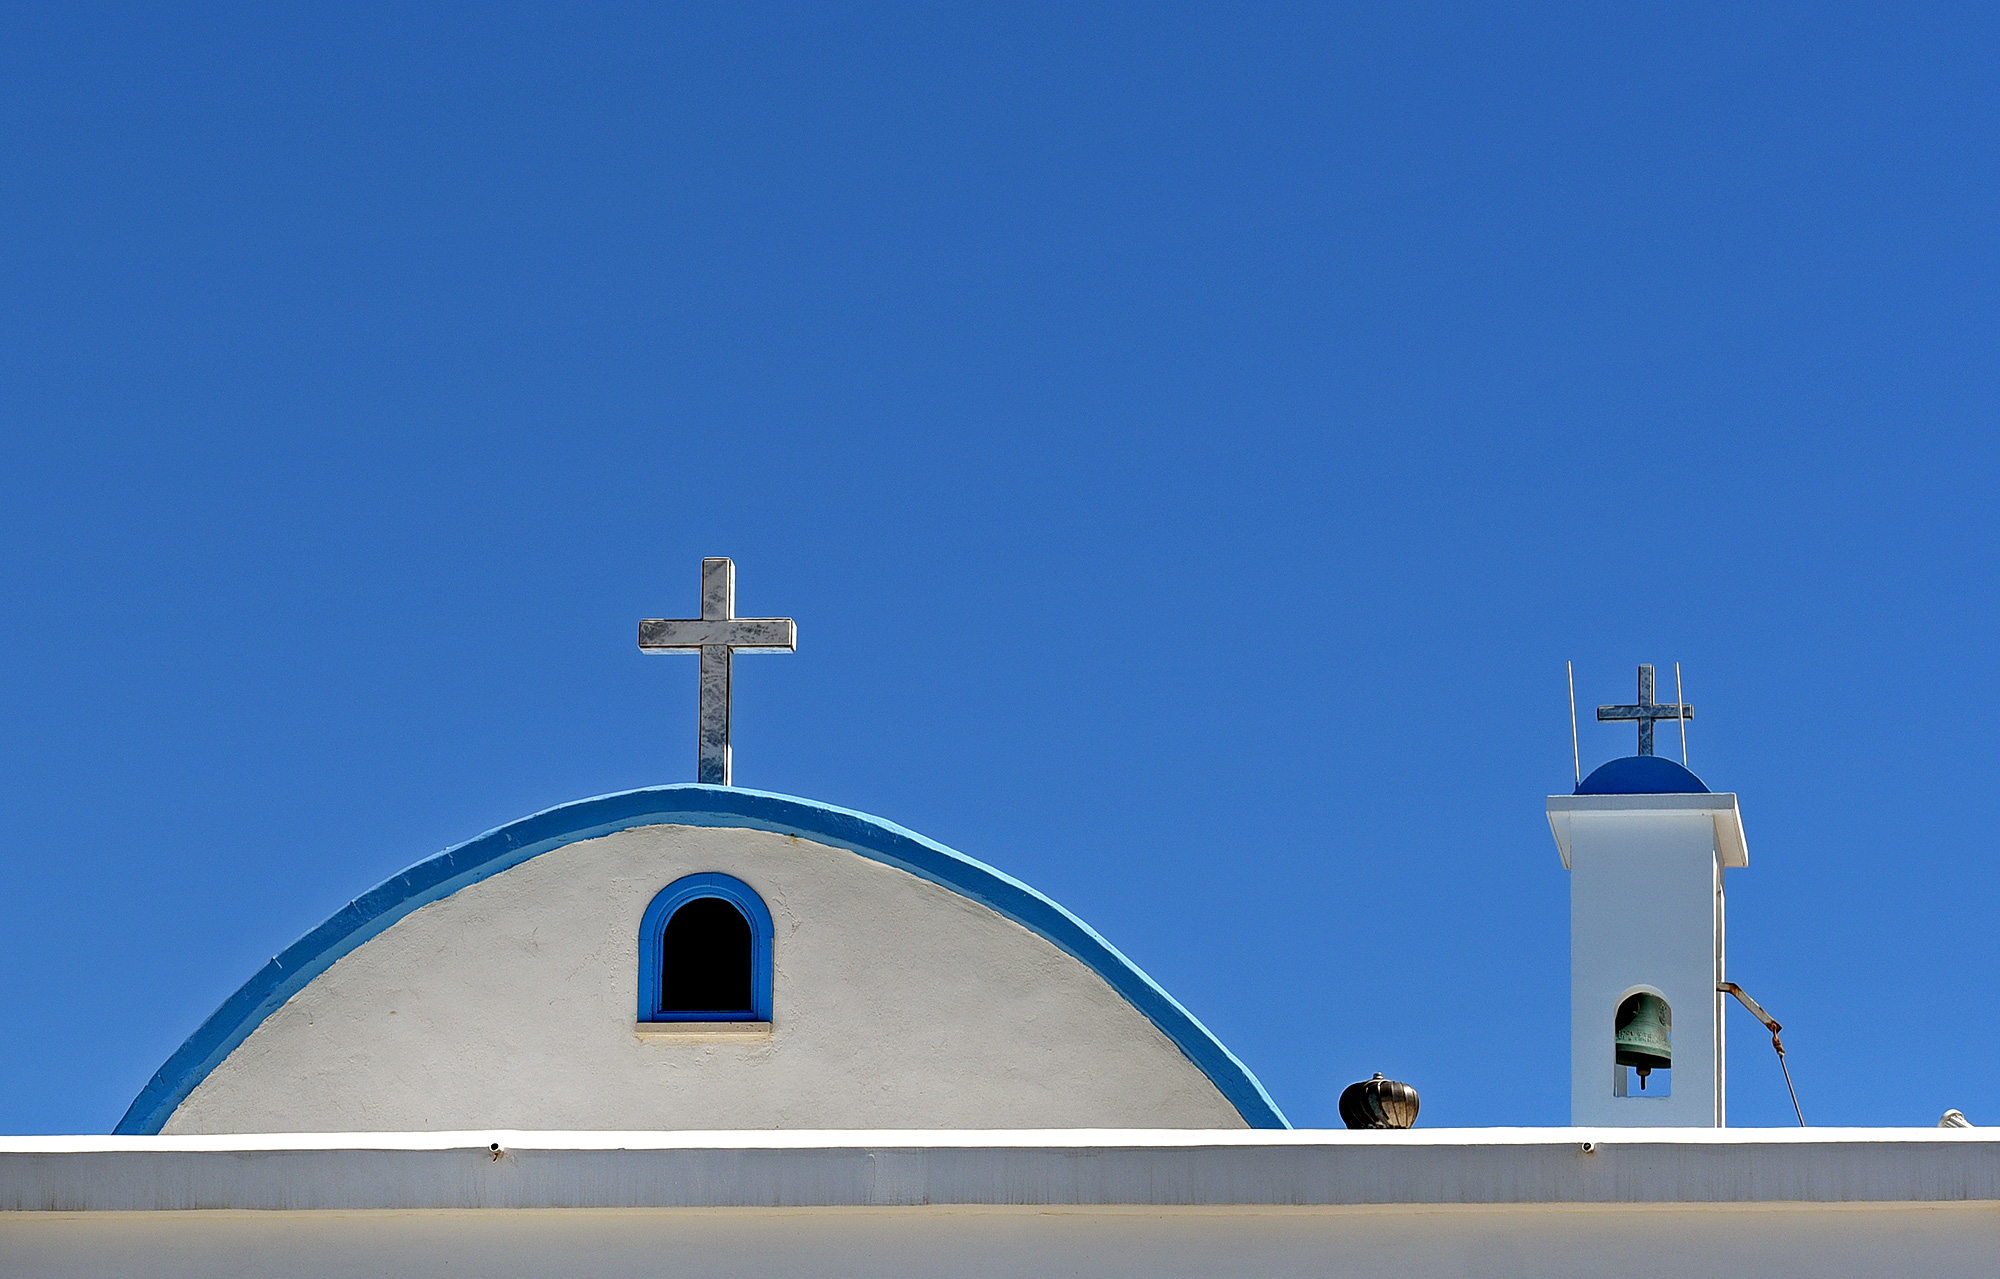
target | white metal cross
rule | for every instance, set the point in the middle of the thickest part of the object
(718, 634)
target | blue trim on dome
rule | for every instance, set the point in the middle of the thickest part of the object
(508, 846)
(1641, 775)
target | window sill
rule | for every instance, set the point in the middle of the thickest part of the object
(702, 1029)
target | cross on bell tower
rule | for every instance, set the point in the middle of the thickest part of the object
(718, 635)
(1646, 711)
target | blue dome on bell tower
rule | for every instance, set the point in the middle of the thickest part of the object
(1641, 775)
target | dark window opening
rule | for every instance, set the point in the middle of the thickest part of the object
(705, 960)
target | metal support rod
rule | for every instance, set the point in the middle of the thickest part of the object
(1788, 1080)
(1681, 701)
(1575, 752)
(1770, 1024)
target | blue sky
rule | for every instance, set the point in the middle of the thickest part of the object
(1191, 440)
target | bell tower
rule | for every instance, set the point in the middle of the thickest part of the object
(1645, 844)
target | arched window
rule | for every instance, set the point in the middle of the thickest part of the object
(705, 952)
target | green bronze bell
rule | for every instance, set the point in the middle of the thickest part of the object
(1645, 1029)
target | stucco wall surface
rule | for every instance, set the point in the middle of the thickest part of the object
(341, 1172)
(1764, 1241)
(512, 1004)
(1645, 913)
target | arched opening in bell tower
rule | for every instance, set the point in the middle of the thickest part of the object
(1642, 1036)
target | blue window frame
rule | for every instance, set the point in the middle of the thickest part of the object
(705, 942)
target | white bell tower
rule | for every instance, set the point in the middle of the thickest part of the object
(1645, 844)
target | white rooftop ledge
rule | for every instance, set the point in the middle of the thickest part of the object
(1566, 810)
(1084, 1167)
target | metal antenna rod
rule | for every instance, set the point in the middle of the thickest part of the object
(1680, 702)
(1575, 752)
(1731, 988)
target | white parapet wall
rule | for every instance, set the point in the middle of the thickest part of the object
(1769, 1203)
